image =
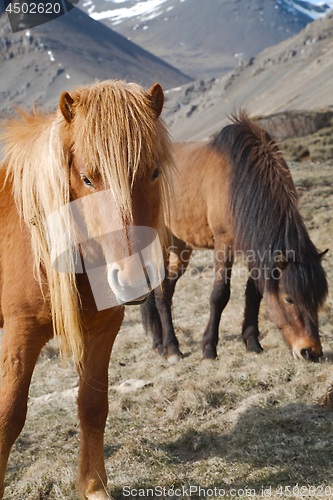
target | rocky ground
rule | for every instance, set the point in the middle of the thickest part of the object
(302, 135)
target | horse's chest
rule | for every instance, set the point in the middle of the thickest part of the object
(194, 229)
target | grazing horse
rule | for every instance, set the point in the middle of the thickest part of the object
(107, 138)
(235, 194)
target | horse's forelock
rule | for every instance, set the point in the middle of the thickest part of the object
(305, 281)
(116, 134)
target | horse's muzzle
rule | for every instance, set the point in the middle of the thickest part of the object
(137, 302)
(308, 355)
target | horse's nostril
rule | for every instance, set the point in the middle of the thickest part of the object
(305, 353)
(114, 278)
(309, 355)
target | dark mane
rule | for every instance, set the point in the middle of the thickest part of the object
(264, 207)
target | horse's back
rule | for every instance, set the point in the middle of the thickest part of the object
(201, 192)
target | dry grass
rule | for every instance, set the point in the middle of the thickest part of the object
(244, 421)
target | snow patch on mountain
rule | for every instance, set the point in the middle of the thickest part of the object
(146, 10)
(314, 9)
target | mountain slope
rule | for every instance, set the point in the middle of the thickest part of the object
(203, 39)
(314, 9)
(39, 64)
(296, 74)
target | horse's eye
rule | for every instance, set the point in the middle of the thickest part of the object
(87, 182)
(155, 174)
(288, 300)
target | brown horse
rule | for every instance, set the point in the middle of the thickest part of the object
(103, 138)
(235, 194)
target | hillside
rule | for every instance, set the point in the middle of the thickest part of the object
(39, 64)
(296, 74)
(202, 42)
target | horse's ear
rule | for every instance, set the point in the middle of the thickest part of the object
(156, 97)
(66, 106)
(322, 255)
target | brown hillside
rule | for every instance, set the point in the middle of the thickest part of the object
(39, 64)
(296, 74)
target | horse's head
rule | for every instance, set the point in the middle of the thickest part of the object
(293, 304)
(119, 158)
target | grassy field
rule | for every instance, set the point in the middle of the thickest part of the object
(251, 425)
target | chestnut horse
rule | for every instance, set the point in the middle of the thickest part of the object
(235, 194)
(103, 138)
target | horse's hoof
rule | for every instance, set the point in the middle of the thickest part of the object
(173, 359)
(98, 495)
(159, 349)
(209, 353)
(207, 360)
(94, 491)
(250, 337)
(253, 347)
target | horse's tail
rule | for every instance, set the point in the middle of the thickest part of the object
(262, 198)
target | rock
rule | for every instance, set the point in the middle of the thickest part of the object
(290, 124)
(131, 385)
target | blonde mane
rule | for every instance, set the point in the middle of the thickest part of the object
(115, 133)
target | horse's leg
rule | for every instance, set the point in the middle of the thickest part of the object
(93, 410)
(218, 300)
(250, 331)
(167, 343)
(177, 264)
(21, 344)
(151, 322)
